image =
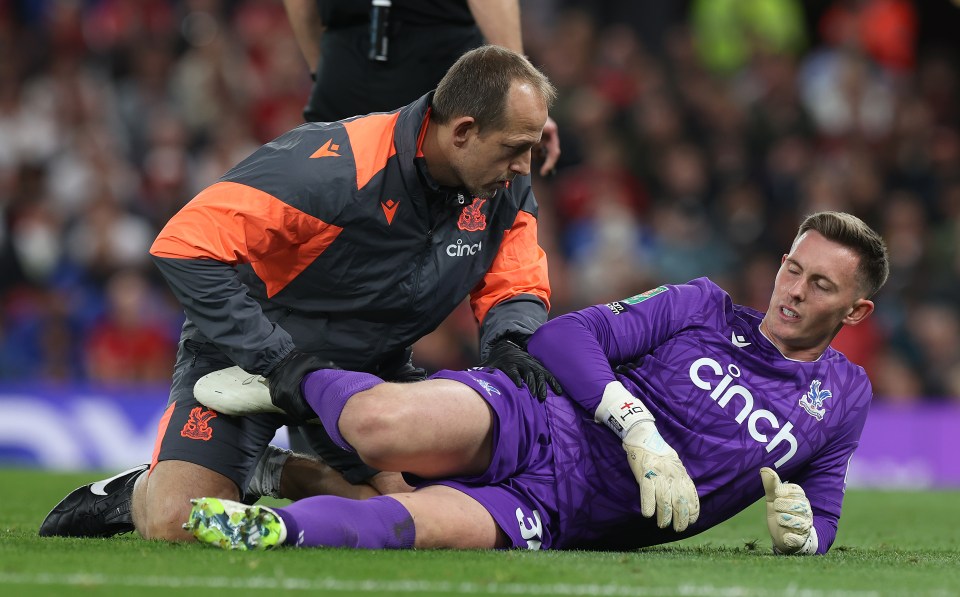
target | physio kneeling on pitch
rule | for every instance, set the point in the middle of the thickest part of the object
(651, 376)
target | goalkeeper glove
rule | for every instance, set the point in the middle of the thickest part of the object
(789, 516)
(665, 487)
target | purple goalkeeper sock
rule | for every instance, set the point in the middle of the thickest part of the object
(327, 392)
(329, 521)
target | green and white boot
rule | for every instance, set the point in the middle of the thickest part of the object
(233, 525)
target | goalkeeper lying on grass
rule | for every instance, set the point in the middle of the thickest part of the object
(713, 404)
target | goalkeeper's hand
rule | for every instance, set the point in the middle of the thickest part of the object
(665, 487)
(789, 516)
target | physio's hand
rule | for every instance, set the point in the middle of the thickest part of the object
(521, 367)
(407, 372)
(549, 147)
(286, 380)
(666, 488)
(789, 516)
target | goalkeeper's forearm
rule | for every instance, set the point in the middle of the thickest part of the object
(666, 488)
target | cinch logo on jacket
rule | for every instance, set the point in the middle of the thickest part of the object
(198, 425)
(471, 218)
(460, 249)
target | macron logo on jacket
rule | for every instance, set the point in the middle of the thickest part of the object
(327, 150)
(389, 209)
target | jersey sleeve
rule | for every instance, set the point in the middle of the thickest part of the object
(824, 479)
(582, 349)
(514, 295)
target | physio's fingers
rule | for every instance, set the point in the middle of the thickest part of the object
(554, 383)
(540, 385)
(514, 376)
(549, 147)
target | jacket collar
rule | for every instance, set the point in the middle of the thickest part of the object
(413, 169)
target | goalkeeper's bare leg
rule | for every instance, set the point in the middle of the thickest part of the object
(161, 500)
(433, 517)
(434, 429)
(304, 476)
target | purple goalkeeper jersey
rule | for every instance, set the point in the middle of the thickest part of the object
(723, 396)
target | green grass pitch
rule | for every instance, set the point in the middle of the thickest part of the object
(890, 543)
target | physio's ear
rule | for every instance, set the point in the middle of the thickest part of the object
(463, 128)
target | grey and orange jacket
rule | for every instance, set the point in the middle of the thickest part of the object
(334, 239)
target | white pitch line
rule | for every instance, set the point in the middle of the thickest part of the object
(415, 586)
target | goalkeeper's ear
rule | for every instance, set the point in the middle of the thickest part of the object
(860, 310)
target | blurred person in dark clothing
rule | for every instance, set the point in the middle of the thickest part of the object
(358, 69)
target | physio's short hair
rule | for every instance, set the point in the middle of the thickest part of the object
(477, 85)
(853, 233)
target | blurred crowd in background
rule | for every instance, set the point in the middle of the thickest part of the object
(695, 136)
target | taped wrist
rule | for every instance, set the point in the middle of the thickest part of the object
(620, 410)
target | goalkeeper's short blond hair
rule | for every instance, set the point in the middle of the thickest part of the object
(852, 232)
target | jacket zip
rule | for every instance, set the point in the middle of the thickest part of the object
(423, 258)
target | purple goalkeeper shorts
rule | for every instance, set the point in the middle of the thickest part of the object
(556, 479)
(519, 489)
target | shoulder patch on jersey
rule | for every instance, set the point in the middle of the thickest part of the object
(813, 400)
(639, 298)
